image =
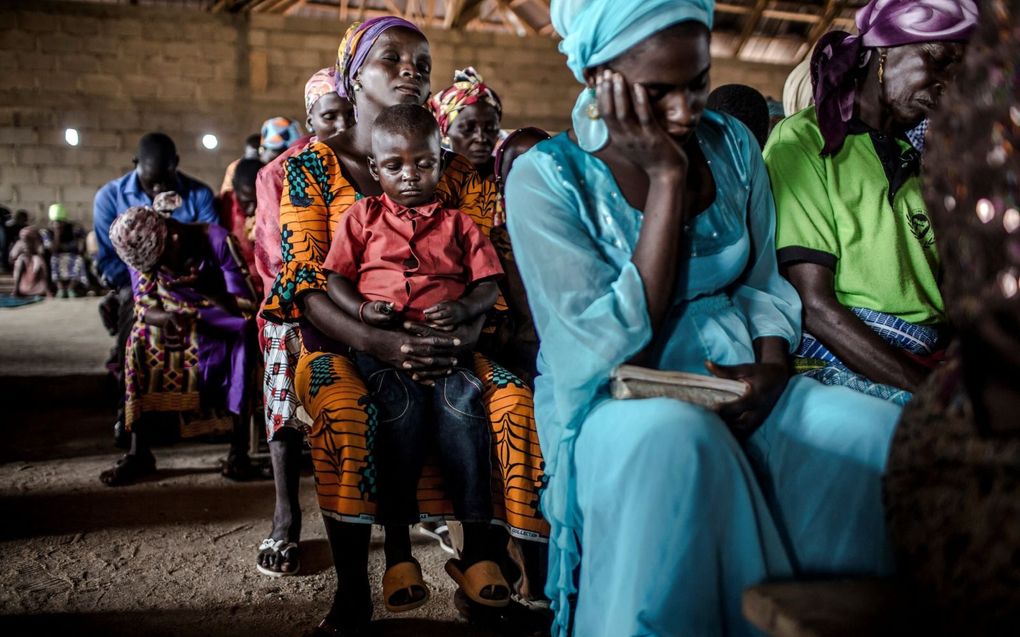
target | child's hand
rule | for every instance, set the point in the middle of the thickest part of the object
(379, 313)
(447, 315)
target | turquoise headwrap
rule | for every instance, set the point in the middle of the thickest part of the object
(597, 31)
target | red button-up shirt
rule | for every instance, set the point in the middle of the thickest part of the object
(413, 257)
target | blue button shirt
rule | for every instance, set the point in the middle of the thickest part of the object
(120, 194)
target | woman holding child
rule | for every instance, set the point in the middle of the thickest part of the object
(384, 62)
(662, 222)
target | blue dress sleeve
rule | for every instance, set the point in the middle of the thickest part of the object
(591, 314)
(769, 301)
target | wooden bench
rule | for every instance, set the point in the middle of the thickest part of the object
(858, 607)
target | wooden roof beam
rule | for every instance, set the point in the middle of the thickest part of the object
(513, 19)
(253, 7)
(832, 9)
(751, 23)
(276, 6)
(294, 6)
(393, 7)
(460, 12)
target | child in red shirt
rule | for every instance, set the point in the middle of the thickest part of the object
(400, 256)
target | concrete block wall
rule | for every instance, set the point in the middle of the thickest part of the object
(115, 72)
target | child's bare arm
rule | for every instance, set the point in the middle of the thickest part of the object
(342, 292)
(478, 300)
(345, 295)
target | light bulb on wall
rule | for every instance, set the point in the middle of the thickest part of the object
(71, 137)
(210, 142)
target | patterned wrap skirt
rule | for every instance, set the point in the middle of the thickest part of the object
(205, 381)
(281, 348)
(342, 440)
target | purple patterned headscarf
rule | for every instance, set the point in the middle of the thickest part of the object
(356, 44)
(881, 23)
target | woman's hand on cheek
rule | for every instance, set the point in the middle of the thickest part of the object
(766, 382)
(633, 129)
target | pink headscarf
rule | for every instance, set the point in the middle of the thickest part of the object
(881, 23)
(322, 82)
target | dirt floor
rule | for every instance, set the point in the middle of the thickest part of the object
(173, 555)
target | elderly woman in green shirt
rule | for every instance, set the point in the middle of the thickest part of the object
(853, 232)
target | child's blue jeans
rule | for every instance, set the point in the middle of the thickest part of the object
(415, 419)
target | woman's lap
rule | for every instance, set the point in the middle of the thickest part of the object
(660, 474)
(821, 456)
(342, 436)
(674, 526)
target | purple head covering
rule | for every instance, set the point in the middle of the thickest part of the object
(356, 44)
(881, 23)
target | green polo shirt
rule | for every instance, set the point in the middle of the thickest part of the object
(836, 211)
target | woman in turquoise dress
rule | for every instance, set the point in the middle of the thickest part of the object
(646, 234)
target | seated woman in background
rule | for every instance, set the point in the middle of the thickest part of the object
(65, 242)
(658, 221)
(329, 114)
(516, 340)
(238, 214)
(853, 232)
(954, 467)
(191, 347)
(278, 134)
(28, 258)
(469, 115)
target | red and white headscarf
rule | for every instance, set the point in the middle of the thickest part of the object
(139, 236)
(468, 88)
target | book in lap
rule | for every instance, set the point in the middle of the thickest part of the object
(710, 392)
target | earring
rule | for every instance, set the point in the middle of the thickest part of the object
(881, 69)
(592, 111)
(357, 85)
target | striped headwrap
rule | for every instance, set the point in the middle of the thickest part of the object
(356, 44)
(322, 82)
(468, 88)
(139, 235)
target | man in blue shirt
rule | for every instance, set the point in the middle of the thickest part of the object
(155, 172)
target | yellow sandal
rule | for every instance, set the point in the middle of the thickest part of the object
(477, 578)
(404, 576)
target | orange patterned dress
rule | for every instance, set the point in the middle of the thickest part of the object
(315, 196)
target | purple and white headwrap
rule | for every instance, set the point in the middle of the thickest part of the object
(139, 235)
(881, 23)
(356, 44)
